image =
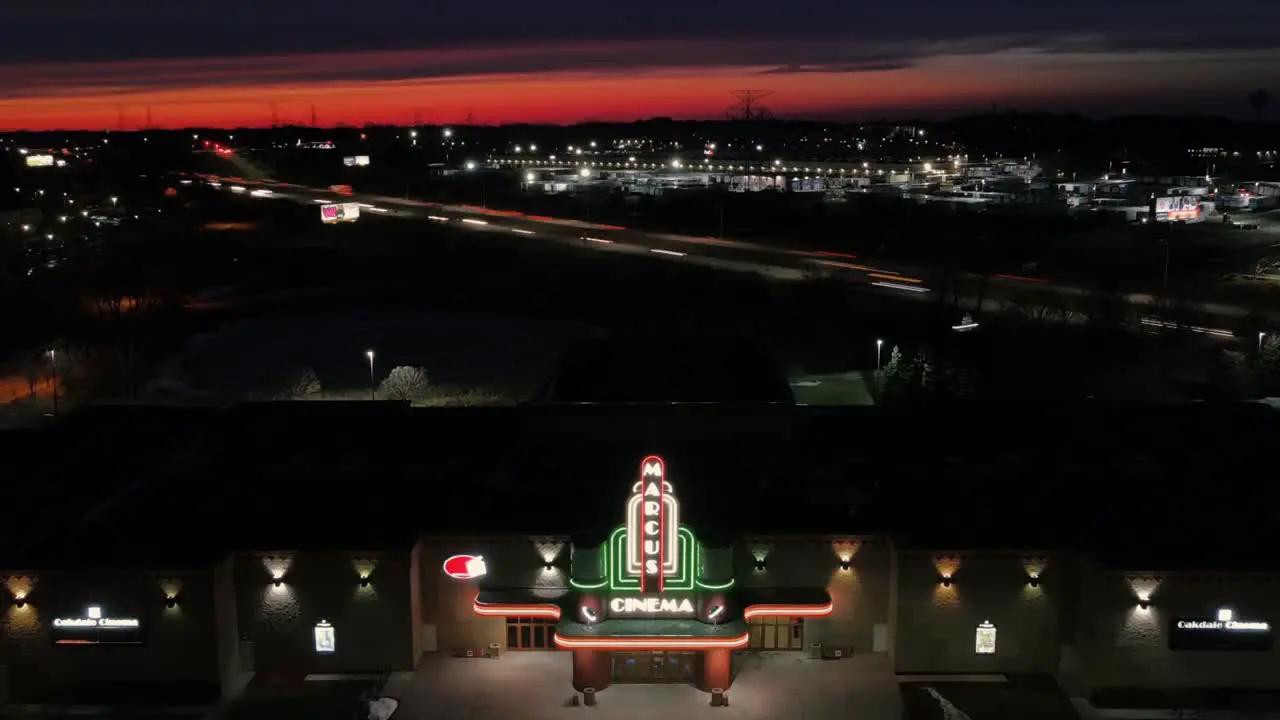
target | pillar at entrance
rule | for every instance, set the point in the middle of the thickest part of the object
(592, 669)
(717, 669)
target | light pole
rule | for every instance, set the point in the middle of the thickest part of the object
(53, 363)
(372, 383)
(879, 345)
(1261, 335)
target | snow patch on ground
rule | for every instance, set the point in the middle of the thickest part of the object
(382, 708)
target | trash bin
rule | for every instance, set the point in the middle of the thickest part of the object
(717, 697)
(589, 696)
(815, 651)
(495, 650)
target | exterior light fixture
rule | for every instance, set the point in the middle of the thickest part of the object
(1034, 581)
(760, 564)
(946, 581)
(364, 580)
(278, 581)
(1144, 603)
(170, 601)
(549, 566)
(845, 564)
(20, 600)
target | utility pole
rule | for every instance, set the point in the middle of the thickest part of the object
(275, 115)
(313, 115)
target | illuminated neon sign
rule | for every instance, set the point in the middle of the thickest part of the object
(653, 519)
(652, 551)
(667, 606)
(465, 567)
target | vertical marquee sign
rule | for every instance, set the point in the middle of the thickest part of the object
(653, 521)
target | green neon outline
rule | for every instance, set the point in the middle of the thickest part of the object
(690, 554)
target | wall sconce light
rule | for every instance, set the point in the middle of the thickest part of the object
(170, 601)
(364, 580)
(1144, 603)
(760, 564)
(845, 564)
(278, 581)
(20, 600)
(1034, 581)
(548, 566)
(946, 581)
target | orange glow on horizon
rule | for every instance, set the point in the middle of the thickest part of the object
(571, 83)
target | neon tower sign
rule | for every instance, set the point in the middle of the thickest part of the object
(653, 528)
(651, 552)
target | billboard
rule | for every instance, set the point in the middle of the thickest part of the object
(356, 161)
(1177, 207)
(39, 161)
(342, 212)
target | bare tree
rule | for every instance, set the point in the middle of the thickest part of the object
(405, 383)
(307, 385)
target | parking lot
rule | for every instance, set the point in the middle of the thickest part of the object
(537, 686)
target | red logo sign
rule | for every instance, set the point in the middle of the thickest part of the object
(465, 567)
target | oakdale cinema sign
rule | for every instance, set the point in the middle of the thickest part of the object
(97, 629)
(1223, 632)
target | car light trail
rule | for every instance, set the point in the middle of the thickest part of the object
(1154, 322)
(897, 286)
(847, 266)
(437, 218)
(602, 241)
(522, 231)
(473, 221)
(672, 253)
(894, 278)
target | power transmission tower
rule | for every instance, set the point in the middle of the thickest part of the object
(748, 106)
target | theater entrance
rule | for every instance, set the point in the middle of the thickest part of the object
(654, 667)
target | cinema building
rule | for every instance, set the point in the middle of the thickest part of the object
(651, 600)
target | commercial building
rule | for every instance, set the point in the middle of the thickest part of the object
(660, 571)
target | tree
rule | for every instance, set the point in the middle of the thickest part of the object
(307, 385)
(405, 383)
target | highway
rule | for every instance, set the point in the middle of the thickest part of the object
(876, 276)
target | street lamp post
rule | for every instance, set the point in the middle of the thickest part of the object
(53, 363)
(879, 346)
(1261, 335)
(372, 383)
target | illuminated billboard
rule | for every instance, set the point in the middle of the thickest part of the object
(356, 161)
(1177, 207)
(39, 161)
(339, 212)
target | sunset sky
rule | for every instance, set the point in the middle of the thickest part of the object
(83, 64)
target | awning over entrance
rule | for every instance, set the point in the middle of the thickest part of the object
(650, 634)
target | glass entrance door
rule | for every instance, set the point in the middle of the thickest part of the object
(653, 667)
